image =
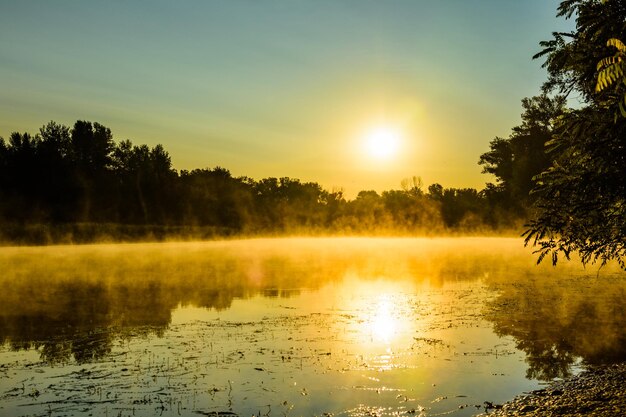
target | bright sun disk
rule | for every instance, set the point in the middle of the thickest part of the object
(382, 142)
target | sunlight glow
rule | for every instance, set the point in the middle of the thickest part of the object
(382, 142)
(383, 324)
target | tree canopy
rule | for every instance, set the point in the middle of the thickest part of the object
(580, 200)
(67, 177)
(516, 160)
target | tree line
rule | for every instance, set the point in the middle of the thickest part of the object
(79, 175)
(78, 184)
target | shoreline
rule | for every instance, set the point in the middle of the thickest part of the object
(598, 391)
(44, 234)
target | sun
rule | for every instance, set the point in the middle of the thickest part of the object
(382, 142)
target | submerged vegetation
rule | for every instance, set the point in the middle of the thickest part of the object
(296, 326)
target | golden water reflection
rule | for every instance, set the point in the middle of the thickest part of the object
(59, 292)
(324, 325)
(557, 322)
(382, 322)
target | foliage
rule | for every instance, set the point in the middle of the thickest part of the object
(612, 70)
(571, 57)
(516, 160)
(581, 203)
(581, 198)
(81, 180)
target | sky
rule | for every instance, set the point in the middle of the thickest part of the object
(289, 88)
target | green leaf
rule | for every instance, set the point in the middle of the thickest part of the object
(617, 44)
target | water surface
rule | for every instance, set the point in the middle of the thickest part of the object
(283, 327)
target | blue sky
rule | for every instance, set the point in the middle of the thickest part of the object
(281, 88)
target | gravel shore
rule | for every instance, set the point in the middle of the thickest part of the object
(600, 391)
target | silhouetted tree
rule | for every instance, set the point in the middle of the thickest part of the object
(21, 179)
(215, 198)
(581, 198)
(367, 212)
(80, 178)
(515, 161)
(334, 203)
(412, 186)
(461, 205)
(409, 208)
(146, 181)
(91, 149)
(56, 165)
(286, 203)
(435, 192)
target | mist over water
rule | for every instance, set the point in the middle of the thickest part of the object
(298, 326)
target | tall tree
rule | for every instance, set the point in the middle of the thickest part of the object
(92, 146)
(145, 184)
(515, 161)
(212, 197)
(55, 166)
(20, 179)
(581, 198)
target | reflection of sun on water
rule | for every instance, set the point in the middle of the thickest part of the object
(381, 314)
(386, 325)
(382, 323)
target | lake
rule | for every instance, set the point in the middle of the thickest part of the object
(296, 326)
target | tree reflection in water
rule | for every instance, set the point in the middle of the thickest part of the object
(72, 303)
(558, 320)
(79, 319)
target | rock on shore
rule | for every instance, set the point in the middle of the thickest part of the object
(600, 391)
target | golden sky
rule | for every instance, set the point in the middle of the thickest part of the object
(282, 88)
